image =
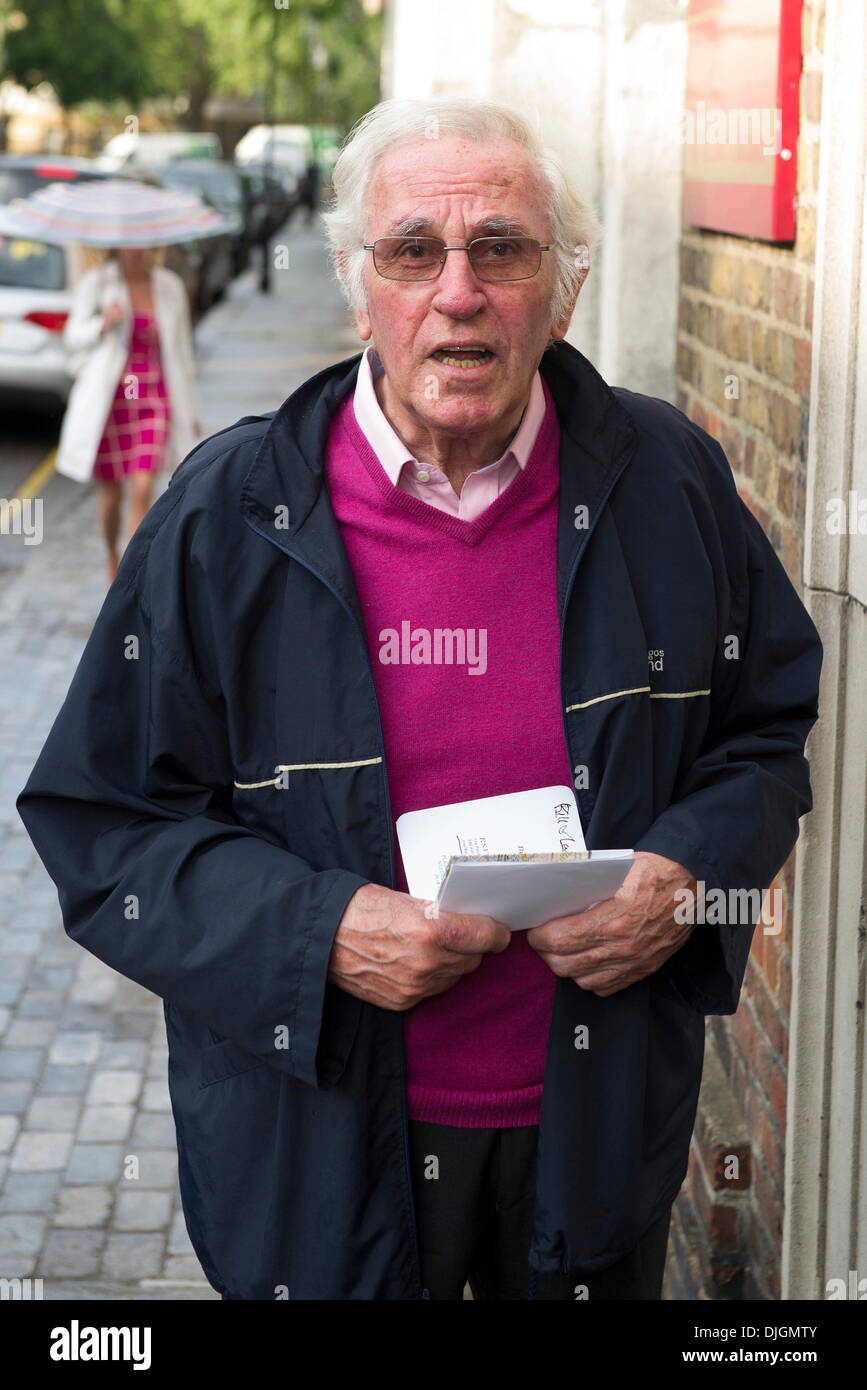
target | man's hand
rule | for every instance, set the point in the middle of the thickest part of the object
(388, 951)
(624, 938)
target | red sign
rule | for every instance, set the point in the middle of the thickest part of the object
(740, 122)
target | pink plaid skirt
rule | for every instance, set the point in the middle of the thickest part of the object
(137, 429)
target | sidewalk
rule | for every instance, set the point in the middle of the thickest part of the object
(82, 1050)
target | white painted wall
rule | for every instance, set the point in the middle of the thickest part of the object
(604, 81)
(825, 1225)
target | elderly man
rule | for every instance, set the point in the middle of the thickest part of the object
(373, 1101)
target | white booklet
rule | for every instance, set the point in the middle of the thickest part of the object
(542, 821)
(526, 890)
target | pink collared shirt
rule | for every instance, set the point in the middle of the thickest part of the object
(425, 480)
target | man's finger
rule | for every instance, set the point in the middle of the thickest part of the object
(633, 898)
(582, 931)
(471, 933)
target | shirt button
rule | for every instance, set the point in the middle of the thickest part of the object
(423, 475)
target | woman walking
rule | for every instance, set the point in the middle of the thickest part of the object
(133, 409)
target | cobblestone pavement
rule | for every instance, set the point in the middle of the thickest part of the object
(82, 1049)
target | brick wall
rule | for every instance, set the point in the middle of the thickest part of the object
(743, 373)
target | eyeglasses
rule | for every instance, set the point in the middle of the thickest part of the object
(423, 257)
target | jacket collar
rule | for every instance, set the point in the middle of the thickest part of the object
(284, 497)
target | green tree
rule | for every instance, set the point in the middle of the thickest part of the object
(323, 55)
(246, 35)
(82, 47)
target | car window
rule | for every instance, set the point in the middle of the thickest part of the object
(31, 264)
(216, 183)
(16, 183)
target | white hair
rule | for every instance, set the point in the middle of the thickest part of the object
(399, 121)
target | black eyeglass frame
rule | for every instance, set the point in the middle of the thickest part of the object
(426, 279)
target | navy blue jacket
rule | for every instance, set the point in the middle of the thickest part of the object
(231, 646)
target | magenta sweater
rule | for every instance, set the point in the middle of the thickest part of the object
(494, 724)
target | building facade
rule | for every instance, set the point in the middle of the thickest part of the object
(762, 345)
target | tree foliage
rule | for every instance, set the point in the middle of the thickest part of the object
(317, 59)
(83, 48)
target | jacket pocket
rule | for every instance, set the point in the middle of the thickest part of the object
(662, 981)
(341, 1016)
(223, 1059)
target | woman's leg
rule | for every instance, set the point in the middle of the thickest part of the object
(142, 485)
(110, 495)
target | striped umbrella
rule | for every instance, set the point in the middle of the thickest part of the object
(112, 212)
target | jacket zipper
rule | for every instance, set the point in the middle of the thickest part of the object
(566, 597)
(579, 554)
(424, 1293)
(577, 558)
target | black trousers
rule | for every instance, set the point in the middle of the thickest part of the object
(474, 1191)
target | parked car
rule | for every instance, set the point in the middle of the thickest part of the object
(220, 185)
(136, 154)
(271, 197)
(35, 280)
(288, 148)
(22, 174)
(209, 261)
(34, 306)
(282, 151)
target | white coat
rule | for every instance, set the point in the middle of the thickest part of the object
(98, 362)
